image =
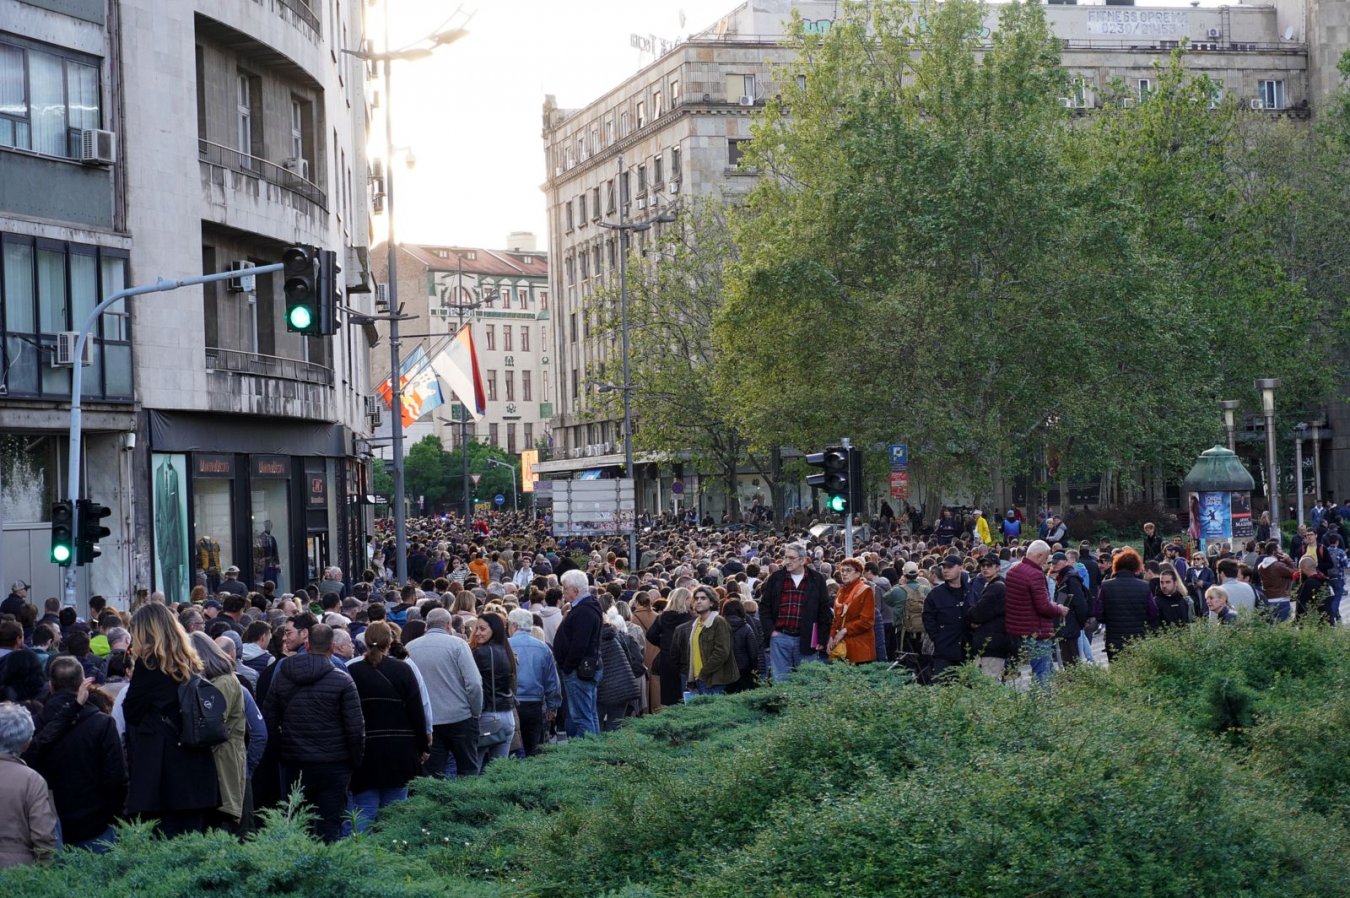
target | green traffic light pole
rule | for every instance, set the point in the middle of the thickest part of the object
(77, 384)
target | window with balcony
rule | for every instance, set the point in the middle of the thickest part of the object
(47, 99)
(248, 116)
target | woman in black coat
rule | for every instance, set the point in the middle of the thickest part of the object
(397, 729)
(1125, 606)
(172, 785)
(744, 645)
(660, 634)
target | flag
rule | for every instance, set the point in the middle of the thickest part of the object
(457, 365)
(411, 367)
(421, 394)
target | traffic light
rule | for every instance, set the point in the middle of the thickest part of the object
(857, 499)
(91, 531)
(834, 462)
(327, 289)
(300, 265)
(63, 534)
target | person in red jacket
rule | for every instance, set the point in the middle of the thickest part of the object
(1029, 617)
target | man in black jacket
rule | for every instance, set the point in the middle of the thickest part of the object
(77, 750)
(576, 647)
(795, 610)
(1072, 594)
(989, 641)
(944, 613)
(317, 712)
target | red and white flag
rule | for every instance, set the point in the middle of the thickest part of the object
(457, 366)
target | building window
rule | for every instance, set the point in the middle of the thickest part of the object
(543, 300)
(569, 270)
(609, 131)
(49, 287)
(492, 385)
(1271, 94)
(595, 255)
(583, 266)
(524, 338)
(1082, 93)
(581, 149)
(623, 123)
(492, 434)
(609, 197)
(595, 203)
(675, 164)
(741, 89)
(674, 92)
(510, 381)
(244, 109)
(523, 296)
(610, 252)
(642, 181)
(569, 217)
(581, 211)
(529, 436)
(506, 337)
(572, 326)
(1215, 94)
(641, 113)
(490, 331)
(656, 104)
(1145, 88)
(505, 294)
(61, 99)
(525, 386)
(297, 129)
(576, 384)
(735, 150)
(511, 438)
(658, 166)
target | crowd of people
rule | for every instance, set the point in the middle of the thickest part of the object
(505, 639)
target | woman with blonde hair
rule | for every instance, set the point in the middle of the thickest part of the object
(230, 756)
(661, 634)
(170, 784)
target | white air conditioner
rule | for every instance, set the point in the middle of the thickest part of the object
(373, 405)
(63, 354)
(1258, 104)
(98, 147)
(382, 298)
(642, 202)
(747, 101)
(1212, 33)
(297, 166)
(674, 187)
(1066, 102)
(245, 283)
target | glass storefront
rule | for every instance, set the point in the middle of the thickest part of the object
(212, 518)
(270, 516)
(168, 479)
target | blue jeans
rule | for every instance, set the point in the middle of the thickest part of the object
(582, 717)
(99, 844)
(366, 807)
(1279, 610)
(496, 751)
(1041, 654)
(1334, 603)
(785, 656)
(701, 689)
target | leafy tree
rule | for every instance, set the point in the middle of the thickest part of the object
(437, 475)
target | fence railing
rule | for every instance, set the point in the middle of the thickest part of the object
(241, 361)
(300, 9)
(244, 163)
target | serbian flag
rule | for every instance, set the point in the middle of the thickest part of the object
(457, 365)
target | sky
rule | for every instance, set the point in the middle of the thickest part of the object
(472, 112)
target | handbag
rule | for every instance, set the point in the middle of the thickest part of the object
(499, 729)
(839, 651)
(588, 666)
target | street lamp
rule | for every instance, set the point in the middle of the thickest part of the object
(1317, 457)
(1267, 386)
(515, 506)
(1300, 429)
(395, 386)
(624, 228)
(462, 309)
(1230, 406)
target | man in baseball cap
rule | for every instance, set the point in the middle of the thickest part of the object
(17, 598)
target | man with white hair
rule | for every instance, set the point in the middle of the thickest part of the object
(1030, 618)
(576, 648)
(456, 691)
(344, 648)
(538, 690)
(227, 644)
(25, 801)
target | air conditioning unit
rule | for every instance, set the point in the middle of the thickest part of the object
(642, 202)
(1212, 33)
(674, 187)
(373, 405)
(98, 147)
(382, 298)
(1066, 102)
(747, 101)
(245, 283)
(1127, 102)
(63, 354)
(297, 166)
(1258, 104)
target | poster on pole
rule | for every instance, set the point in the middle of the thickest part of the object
(528, 459)
(899, 484)
(1240, 506)
(1216, 515)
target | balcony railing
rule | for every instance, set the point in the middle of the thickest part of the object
(239, 361)
(300, 9)
(236, 161)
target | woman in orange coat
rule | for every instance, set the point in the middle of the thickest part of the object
(854, 614)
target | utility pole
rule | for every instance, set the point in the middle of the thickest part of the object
(462, 310)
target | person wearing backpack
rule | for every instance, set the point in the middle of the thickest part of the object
(1336, 576)
(914, 590)
(173, 784)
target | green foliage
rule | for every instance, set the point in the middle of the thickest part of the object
(432, 472)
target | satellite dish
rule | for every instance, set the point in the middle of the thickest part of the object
(1289, 33)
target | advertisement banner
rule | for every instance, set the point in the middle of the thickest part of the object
(169, 487)
(1241, 506)
(528, 459)
(1216, 516)
(899, 484)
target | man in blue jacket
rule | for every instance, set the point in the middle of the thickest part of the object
(576, 648)
(538, 691)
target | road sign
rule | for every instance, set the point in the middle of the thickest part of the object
(593, 507)
(475, 478)
(899, 484)
(899, 456)
(499, 500)
(677, 487)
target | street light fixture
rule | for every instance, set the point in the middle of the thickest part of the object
(515, 504)
(1267, 387)
(1300, 429)
(624, 228)
(395, 386)
(1230, 406)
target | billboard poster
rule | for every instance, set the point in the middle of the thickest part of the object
(169, 486)
(1216, 515)
(1241, 505)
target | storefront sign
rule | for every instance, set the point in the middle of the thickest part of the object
(277, 466)
(204, 465)
(1130, 21)
(316, 490)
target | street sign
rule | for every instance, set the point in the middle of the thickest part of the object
(544, 487)
(677, 487)
(899, 484)
(899, 455)
(499, 500)
(475, 478)
(593, 507)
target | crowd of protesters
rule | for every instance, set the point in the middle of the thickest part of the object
(505, 639)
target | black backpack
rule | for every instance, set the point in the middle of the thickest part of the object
(201, 713)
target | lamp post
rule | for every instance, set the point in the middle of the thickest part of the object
(624, 228)
(1230, 406)
(395, 386)
(1299, 430)
(1267, 386)
(515, 505)
(1317, 457)
(462, 310)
